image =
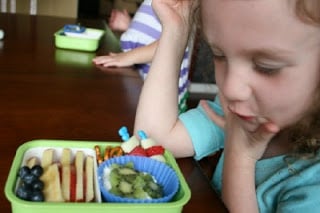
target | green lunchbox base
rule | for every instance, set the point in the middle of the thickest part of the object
(79, 43)
(21, 206)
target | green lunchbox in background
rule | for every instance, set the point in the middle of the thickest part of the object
(78, 38)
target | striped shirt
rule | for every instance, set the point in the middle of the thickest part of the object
(144, 29)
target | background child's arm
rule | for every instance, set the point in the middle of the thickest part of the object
(139, 55)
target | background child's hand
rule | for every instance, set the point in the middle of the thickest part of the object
(119, 20)
(114, 60)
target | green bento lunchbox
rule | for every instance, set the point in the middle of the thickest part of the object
(36, 147)
(87, 41)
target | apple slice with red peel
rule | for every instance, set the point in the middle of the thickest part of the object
(73, 182)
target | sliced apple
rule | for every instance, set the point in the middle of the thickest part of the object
(66, 157)
(32, 162)
(79, 159)
(89, 170)
(52, 187)
(66, 173)
(73, 182)
(47, 158)
(66, 181)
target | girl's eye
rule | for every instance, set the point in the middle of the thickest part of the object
(265, 69)
(218, 56)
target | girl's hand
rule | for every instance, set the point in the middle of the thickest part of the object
(249, 143)
(122, 59)
(245, 144)
(239, 139)
(175, 13)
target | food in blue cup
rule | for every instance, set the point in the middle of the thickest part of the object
(137, 179)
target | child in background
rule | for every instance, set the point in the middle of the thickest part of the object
(267, 69)
(138, 44)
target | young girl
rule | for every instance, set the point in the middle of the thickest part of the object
(138, 44)
(267, 114)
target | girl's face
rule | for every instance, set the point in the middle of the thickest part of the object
(267, 61)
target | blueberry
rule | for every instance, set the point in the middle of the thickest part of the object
(37, 185)
(36, 170)
(31, 186)
(23, 171)
(24, 192)
(37, 196)
(29, 178)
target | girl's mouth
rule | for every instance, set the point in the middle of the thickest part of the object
(242, 116)
(251, 119)
(245, 117)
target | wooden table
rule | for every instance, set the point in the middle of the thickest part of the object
(50, 93)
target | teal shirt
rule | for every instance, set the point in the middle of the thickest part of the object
(283, 184)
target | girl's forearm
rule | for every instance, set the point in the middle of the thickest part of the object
(238, 187)
(157, 111)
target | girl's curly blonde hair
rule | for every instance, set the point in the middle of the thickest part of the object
(305, 135)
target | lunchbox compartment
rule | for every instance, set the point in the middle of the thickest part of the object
(37, 152)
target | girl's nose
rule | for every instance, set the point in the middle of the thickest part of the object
(236, 85)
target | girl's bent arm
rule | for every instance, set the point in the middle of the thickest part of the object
(157, 111)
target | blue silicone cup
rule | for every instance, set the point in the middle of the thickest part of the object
(164, 175)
